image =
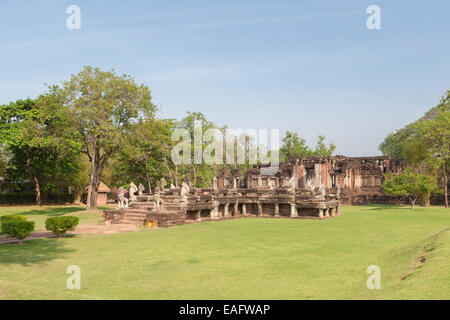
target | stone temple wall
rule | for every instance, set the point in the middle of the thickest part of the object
(360, 179)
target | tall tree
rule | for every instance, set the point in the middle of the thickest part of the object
(425, 144)
(435, 134)
(97, 109)
(321, 148)
(200, 175)
(147, 155)
(294, 146)
(34, 155)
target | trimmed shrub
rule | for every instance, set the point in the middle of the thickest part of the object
(60, 225)
(10, 218)
(18, 227)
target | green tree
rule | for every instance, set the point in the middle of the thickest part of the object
(200, 175)
(96, 111)
(321, 148)
(294, 146)
(33, 153)
(409, 184)
(146, 158)
(4, 160)
(435, 134)
(425, 144)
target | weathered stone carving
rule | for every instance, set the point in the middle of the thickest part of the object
(292, 185)
(322, 191)
(184, 192)
(157, 200)
(214, 183)
(141, 189)
(162, 184)
(271, 184)
(172, 187)
(123, 202)
(310, 186)
(132, 191)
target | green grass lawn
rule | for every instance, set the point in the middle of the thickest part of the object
(243, 259)
(40, 214)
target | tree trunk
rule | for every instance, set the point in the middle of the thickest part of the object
(194, 182)
(445, 187)
(37, 190)
(35, 180)
(91, 183)
(147, 175)
(176, 176)
(77, 197)
(168, 170)
(94, 192)
(446, 195)
(413, 201)
(99, 165)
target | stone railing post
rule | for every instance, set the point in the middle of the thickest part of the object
(225, 210)
(293, 211)
(320, 213)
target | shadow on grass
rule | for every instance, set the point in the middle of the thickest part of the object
(53, 212)
(36, 251)
(387, 207)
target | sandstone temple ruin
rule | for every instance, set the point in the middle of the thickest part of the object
(303, 187)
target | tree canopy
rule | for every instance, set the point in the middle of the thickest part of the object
(425, 144)
(294, 146)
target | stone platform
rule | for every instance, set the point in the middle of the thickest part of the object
(211, 205)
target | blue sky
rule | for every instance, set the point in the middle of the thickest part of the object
(309, 66)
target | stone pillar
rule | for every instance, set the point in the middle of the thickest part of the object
(260, 210)
(211, 213)
(332, 212)
(225, 210)
(293, 211)
(197, 215)
(244, 209)
(236, 209)
(259, 182)
(320, 213)
(327, 212)
(277, 210)
(234, 183)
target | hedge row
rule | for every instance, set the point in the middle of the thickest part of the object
(29, 198)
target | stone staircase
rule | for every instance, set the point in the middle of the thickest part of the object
(137, 217)
(138, 212)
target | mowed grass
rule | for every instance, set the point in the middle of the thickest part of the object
(247, 258)
(39, 214)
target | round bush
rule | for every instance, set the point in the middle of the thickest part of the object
(11, 218)
(19, 229)
(60, 225)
